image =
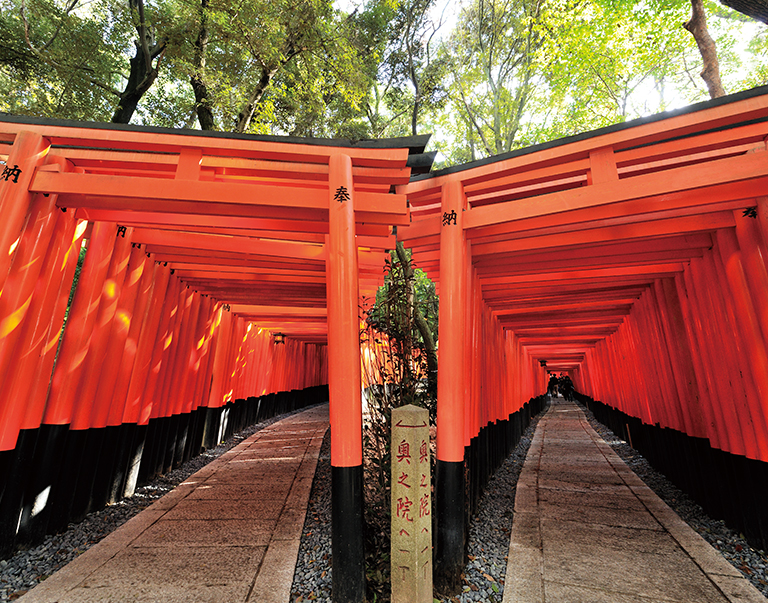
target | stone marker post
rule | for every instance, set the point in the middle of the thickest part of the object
(411, 506)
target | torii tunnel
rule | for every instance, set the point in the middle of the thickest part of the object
(632, 258)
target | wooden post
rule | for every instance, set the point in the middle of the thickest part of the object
(27, 153)
(748, 326)
(344, 385)
(449, 473)
(82, 316)
(14, 304)
(411, 506)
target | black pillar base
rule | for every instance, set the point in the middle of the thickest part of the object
(15, 476)
(65, 486)
(450, 530)
(127, 432)
(135, 456)
(347, 534)
(108, 463)
(46, 467)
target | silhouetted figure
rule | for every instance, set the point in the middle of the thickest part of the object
(566, 387)
(552, 385)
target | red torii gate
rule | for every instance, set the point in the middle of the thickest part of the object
(610, 256)
(200, 246)
(623, 257)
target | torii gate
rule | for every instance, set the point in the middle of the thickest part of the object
(627, 257)
(633, 258)
(191, 237)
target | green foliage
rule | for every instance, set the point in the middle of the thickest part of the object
(65, 63)
(579, 65)
(289, 66)
(510, 73)
(630, 57)
(399, 372)
(495, 67)
(389, 314)
(411, 72)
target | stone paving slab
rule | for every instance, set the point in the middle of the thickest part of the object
(618, 500)
(588, 530)
(215, 509)
(230, 533)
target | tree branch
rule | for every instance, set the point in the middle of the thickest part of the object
(43, 57)
(697, 25)
(419, 320)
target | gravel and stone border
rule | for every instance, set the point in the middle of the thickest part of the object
(27, 568)
(490, 529)
(752, 563)
(313, 577)
(488, 532)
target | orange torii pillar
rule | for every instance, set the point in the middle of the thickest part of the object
(449, 473)
(344, 388)
(27, 154)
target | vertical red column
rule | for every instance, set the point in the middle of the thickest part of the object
(82, 316)
(754, 254)
(713, 332)
(762, 217)
(132, 350)
(64, 451)
(162, 341)
(15, 301)
(150, 334)
(692, 318)
(344, 386)
(682, 374)
(190, 401)
(36, 345)
(27, 153)
(130, 446)
(451, 392)
(16, 446)
(742, 422)
(106, 404)
(222, 330)
(99, 339)
(751, 335)
(467, 350)
(203, 376)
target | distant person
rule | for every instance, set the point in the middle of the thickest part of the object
(552, 385)
(566, 387)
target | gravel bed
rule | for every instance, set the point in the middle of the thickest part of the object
(27, 568)
(489, 529)
(489, 533)
(312, 579)
(733, 547)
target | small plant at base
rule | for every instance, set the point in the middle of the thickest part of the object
(396, 372)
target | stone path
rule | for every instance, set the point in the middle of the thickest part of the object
(229, 533)
(588, 530)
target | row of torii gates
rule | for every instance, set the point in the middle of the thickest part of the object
(633, 258)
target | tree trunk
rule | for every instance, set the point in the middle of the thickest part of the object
(203, 105)
(697, 25)
(143, 72)
(246, 115)
(421, 323)
(139, 81)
